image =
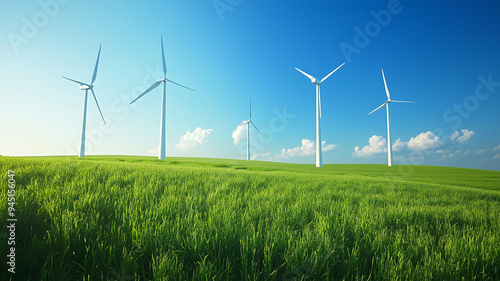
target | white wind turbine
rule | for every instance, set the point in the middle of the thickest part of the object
(248, 122)
(386, 104)
(87, 87)
(319, 154)
(164, 80)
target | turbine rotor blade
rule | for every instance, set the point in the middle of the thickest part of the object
(378, 108)
(402, 101)
(180, 85)
(96, 65)
(147, 91)
(78, 82)
(386, 89)
(331, 73)
(255, 126)
(308, 76)
(98, 107)
(163, 59)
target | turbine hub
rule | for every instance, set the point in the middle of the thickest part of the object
(315, 81)
(85, 87)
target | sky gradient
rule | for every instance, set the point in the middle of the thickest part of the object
(444, 58)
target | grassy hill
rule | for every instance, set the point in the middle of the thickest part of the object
(138, 218)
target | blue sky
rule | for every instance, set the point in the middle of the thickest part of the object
(444, 58)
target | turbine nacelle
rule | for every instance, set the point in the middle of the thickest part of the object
(315, 81)
(86, 87)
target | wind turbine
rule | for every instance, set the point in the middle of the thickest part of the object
(164, 80)
(248, 122)
(87, 87)
(319, 154)
(386, 104)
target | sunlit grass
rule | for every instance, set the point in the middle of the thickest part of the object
(137, 218)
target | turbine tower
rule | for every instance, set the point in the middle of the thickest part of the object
(87, 87)
(386, 104)
(319, 154)
(164, 80)
(248, 122)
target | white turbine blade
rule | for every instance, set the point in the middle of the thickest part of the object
(309, 76)
(255, 126)
(180, 85)
(377, 108)
(78, 82)
(386, 89)
(98, 107)
(402, 101)
(163, 59)
(96, 64)
(147, 91)
(331, 73)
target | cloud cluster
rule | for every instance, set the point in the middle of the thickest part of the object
(307, 148)
(194, 139)
(455, 154)
(424, 141)
(376, 145)
(497, 156)
(465, 137)
(239, 134)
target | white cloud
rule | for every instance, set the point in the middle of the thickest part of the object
(442, 151)
(455, 154)
(307, 148)
(496, 157)
(194, 139)
(424, 141)
(480, 151)
(454, 135)
(261, 156)
(239, 134)
(399, 145)
(466, 135)
(327, 147)
(497, 147)
(451, 155)
(376, 145)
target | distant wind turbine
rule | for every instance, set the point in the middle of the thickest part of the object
(248, 122)
(87, 87)
(164, 80)
(319, 154)
(386, 104)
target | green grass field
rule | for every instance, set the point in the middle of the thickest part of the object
(138, 218)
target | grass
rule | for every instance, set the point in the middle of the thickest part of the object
(138, 218)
